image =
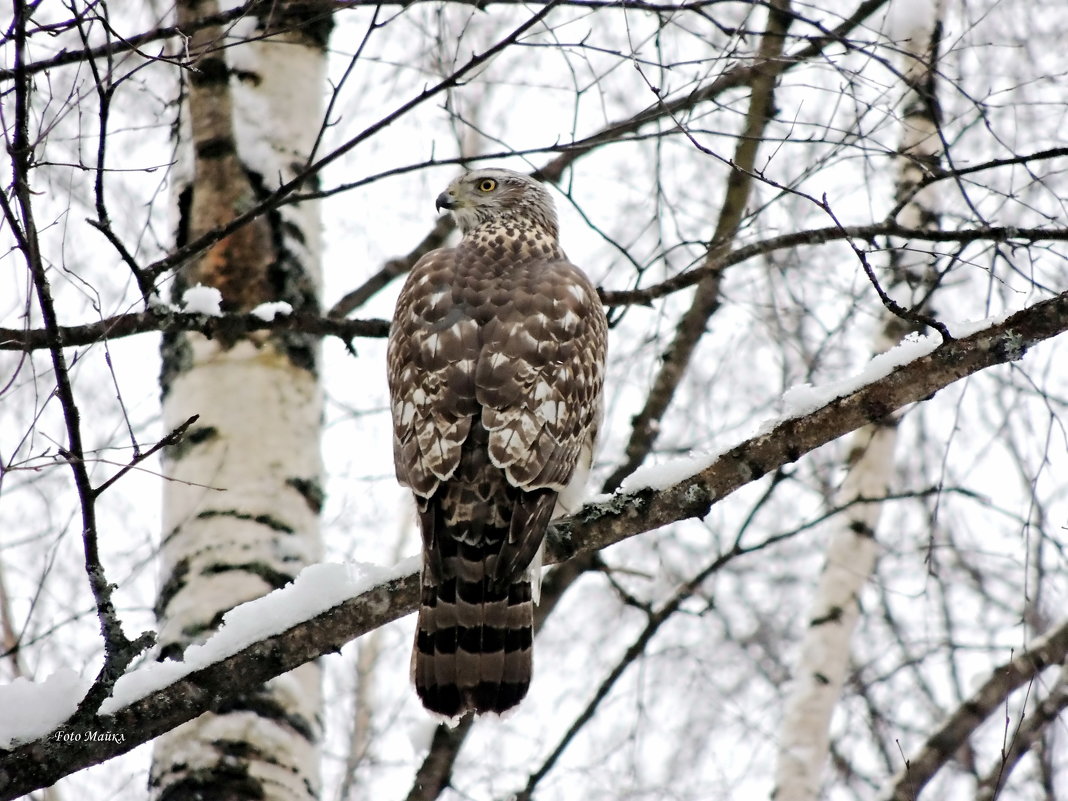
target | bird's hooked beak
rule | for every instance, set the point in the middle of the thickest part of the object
(445, 201)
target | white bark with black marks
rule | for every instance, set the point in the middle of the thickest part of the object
(241, 506)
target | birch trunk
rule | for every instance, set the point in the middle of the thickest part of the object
(823, 662)
(242, 499)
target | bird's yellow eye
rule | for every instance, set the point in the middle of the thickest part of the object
(487, 185)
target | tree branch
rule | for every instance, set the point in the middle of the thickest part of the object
(158, 321)
(394, 268)
(105, 89)
(119, 651)
(206, 240)
(920, 768)
(597, 525)
(694, 322)
(1027, 735)
(819, 236)
(163, 320)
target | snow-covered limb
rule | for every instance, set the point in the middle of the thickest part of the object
(42, 762)
(64, 751)
(32, 710)
(165, 320)
(622, 516)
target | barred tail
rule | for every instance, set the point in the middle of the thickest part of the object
(475, 630)
(473, 641)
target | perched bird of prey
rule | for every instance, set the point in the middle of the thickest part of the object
(496, 362)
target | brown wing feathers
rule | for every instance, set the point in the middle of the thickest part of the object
(495, 367)
(474, 629)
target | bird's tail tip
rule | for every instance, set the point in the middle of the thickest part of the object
(473, 647)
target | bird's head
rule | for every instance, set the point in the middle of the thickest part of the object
(498, 196)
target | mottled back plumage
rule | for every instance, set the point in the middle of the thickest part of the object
(496, 362)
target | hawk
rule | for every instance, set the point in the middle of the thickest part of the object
(495, 365)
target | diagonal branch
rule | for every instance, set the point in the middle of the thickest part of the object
(434, 774)
(655, 621)
(1027, 734)
(394, 268)
(44, 761)
(123, 45)
(172, 438)
(735, 78)
(920, 768)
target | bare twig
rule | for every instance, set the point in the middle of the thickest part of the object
(1025, 737)
(694, 323)
(118, 650)
(943, 743)
(895, 308)
(335, 93)
(118, 44)
(105, 89)
(172, 438)
(818, 236)
(940, 173)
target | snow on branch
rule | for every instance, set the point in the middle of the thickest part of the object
(162, 319)
(162, 696)
(218, 671)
